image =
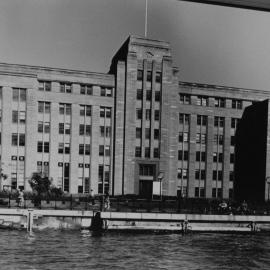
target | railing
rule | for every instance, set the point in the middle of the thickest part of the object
(133, 204)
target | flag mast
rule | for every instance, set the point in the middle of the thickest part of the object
(145, 25)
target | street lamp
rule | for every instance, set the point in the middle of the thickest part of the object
(160, 178)
(267, 180)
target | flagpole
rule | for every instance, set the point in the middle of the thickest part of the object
(145, 25)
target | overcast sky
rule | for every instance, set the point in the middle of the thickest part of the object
(211, 44)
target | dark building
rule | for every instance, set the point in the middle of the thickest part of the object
(252, 154)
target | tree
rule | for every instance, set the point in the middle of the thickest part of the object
(40, 184)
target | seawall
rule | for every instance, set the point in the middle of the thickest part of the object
(132, 221)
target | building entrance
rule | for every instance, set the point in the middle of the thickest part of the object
(146, 189)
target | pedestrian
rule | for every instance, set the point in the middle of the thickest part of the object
(106, 201)
(20, 198)
(92, 197)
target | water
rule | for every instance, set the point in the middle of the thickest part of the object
(75, 250)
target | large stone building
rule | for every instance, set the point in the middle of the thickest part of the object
(135, 130)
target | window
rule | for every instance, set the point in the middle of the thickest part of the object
(19, 94)
(88, 110)
(157, 113)
(85, 110)
(105, 91)
(22, 117)
(15, 137)
(44, 107)
(201, 120)
(232, 157)
(158, 77)
(139, 94)
(81, 149)
(107, 150)
(46, 147)
(67, 128)
(87, 149)
(156, 134)
(65, 87)
(182, 155)
(44, 86)
(147, 152)
(237, 104)
(218, 139)
(138, 151)
(217, 157)
(101, 150)
(202, 101)
(61, 148)
(220, 102)
(200, 174)
(108, 132)
(138, 133)
(139, 75)
(139, 114)
(157, 96)
(185, 98)
(200, 156)
(231, 176)
(147, 133)
(21, 139)
(232, 140)
(15, 116)
(234, 122)
(219, 121)
(182, 173)
(61, 128)
(43, 147)
(64, 108)
(86, 89)
(156, 152)
(149, 76)
(183, 136)
(101, 129)
(217, 175)
(148, 114)
(183, 118)
(102, 91)
(148, 95)
(40, 126)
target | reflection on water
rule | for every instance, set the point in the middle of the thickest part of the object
(76, 250)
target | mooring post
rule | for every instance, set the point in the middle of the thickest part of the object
(30, 216)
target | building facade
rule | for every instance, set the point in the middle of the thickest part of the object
(136, 130)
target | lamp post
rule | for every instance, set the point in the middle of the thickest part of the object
(160, 178)
(267, 180)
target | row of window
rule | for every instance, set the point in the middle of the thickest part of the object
(85, 89)
(148, 95)
(219, 102)
(147, 114)
(217, 175)
(202, 120)
(147, 133)
(148, 76)
(138, 152)
(201, 156)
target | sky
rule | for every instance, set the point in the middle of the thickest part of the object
(210, 44)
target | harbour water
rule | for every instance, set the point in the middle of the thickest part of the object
(75, 250)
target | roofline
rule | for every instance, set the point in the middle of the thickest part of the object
(30, 68)
(219, 87)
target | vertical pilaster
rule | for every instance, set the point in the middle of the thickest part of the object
(119, 115)
(209, 157)
(53, 163)
(192, 155)
(74, 148)
(95, 149)
(31, 136)
(226, 158)
(6, 134)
